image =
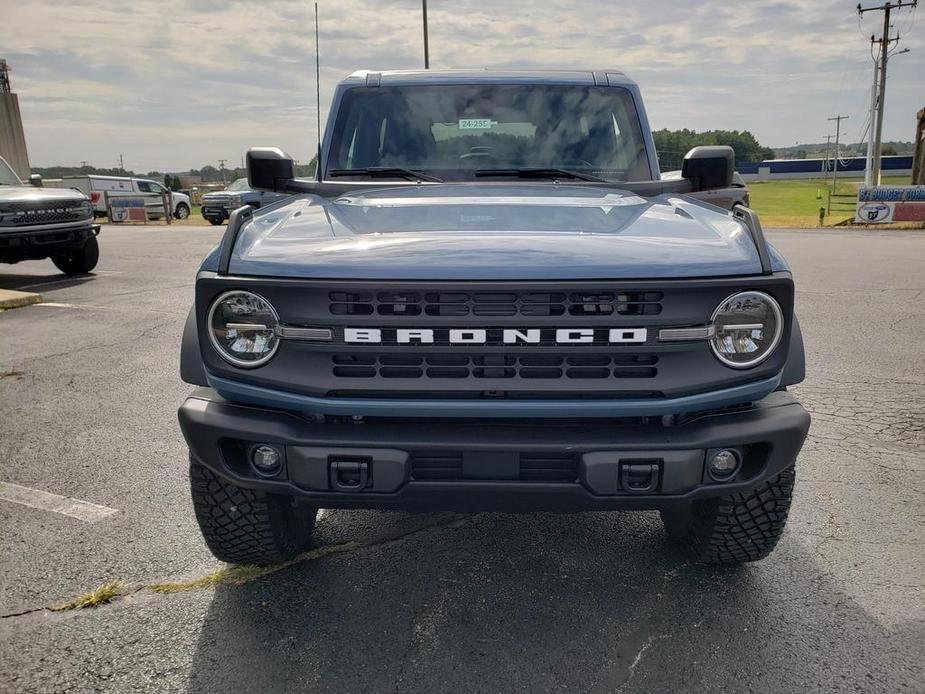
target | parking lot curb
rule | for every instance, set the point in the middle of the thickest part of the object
(11, 299)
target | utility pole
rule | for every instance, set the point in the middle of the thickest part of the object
(884, 42)
(825, 162)
(426, 48)
(121, 164)
(221, 165)
(918, 161)
(869, 161)
(83, 163)
(838, 119)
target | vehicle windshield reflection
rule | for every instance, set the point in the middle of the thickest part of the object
(453, 131)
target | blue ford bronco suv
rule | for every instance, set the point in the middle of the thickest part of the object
(489, 300)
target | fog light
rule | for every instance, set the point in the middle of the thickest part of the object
(265, 459)
(723, 464)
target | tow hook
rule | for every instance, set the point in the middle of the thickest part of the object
(349, 475)
(639, 478)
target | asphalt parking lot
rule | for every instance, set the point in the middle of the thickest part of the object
(489, 602)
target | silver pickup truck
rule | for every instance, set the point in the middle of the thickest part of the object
(38, 223)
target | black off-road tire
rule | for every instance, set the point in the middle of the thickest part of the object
(736, 528)
(244, 526)
(80, 261)
(214, 221)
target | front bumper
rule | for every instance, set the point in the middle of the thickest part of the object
(37, 242)
(215, 212)
(498, 464)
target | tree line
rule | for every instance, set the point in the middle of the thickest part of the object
(672, 145)
(208, 173)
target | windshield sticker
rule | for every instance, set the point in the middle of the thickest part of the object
(476, 123)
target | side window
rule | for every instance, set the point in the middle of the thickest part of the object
(145, 187)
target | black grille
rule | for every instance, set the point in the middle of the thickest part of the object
(532, 467)
(436, 466)
(26, 214)
(548, 467)
(386, 344)
(503, 366)
(496, 304)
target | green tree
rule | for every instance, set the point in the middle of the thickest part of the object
(672, 145)
(307, 170)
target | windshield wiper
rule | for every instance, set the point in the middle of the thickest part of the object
(385, 172)
(538, 172)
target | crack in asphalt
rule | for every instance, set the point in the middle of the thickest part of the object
(228, 574)
(90, 348)
(621, 669)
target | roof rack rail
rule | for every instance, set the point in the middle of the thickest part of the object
(235, 222)
(750, 218)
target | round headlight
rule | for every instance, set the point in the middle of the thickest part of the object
(243, 328)
(747, 326)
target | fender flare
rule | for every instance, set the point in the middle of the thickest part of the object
(795, 368)
(191, 368)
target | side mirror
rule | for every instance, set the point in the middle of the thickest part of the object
(36, 180)
(709, 166)
(269, 168)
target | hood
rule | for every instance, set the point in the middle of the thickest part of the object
(493, 232)
(39, 195)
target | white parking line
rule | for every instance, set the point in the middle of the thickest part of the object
(46, 501)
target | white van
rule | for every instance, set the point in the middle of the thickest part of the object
(93, 186)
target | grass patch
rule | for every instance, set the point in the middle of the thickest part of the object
(234, 575)
(796, 202)
(103, 595)
(241, 574)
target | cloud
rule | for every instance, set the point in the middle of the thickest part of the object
(177, 84)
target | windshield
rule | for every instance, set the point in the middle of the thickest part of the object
(239, 184)
(8, 176)
(451, 131)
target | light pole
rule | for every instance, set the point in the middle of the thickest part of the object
(426, 48)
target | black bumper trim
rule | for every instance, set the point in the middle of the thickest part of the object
(36, 244)
(776, 425)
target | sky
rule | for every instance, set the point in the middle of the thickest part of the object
(174, 85)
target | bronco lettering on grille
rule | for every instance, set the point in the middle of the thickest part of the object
(506, 336)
